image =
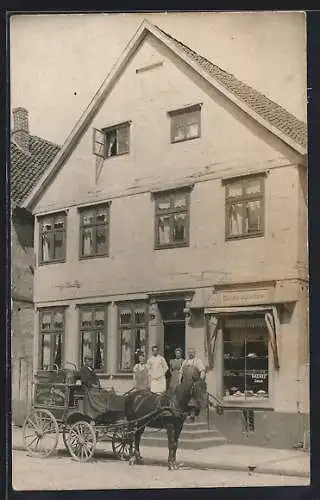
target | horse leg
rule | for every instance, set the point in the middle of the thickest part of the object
(170, 434)
(137, 439)
(176, 434)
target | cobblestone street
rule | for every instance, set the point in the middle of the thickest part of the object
(61, 473)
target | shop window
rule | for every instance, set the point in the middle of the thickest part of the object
(246, 361)
(52, 331)
(172, 219)
(111, 141)
(52, 238)
(94, 231)
(132, 334)
(245, 207)
(185, 123)
(92, 335)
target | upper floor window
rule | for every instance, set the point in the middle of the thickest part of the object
(52, 330)
(94, 230)
(172, 219)
(93, 321)
(111, 141)
(245, 207)
(132, 334)
(52, 238)
(185, 123)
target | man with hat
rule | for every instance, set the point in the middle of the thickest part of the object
(87, 374)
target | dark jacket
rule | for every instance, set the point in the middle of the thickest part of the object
(89, 377)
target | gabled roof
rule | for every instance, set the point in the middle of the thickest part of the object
(27, 167)
(260, 108)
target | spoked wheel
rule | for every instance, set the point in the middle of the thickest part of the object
(122, 445)
(81, 441)
(40, 433)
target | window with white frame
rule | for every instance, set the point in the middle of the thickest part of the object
(52, 230)
(112, 141)
(245, 358)
(245, 207)
(94, 231)
(51, 333)
(185, 123)
(172, 218)
(132, 334)
(93, 323)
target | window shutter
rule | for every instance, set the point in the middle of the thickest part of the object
(99, 143)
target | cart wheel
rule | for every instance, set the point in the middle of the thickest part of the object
(122, 445)
(40, 433)
(81, 441)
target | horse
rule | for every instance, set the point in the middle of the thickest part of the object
(168, 410)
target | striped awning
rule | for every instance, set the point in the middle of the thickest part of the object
(247, 322)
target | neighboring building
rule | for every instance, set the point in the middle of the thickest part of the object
(176, 214)
(30, 156)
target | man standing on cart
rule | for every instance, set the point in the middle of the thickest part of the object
(87, 374)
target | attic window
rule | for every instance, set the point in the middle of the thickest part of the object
(185, 123)
(111, 141)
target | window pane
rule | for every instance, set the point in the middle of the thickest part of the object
(253, 217)
(45, 352)
(253, 186)
(164, 204)
(87, 241)
(59, 222)
(57, 358)
(179, 227)
(99, 318)
(99, 354)
(58, 320)
(86, 319)
(87, 217)
(178, 132)
(140, 342)
(125, 316)
(86, 346)
(101, 240)
(235, 219)
(192, 130)
(180, 200)
(46, 321)
(257, 384)
(126, 350)
(47, 246)
(123, 140)
(163, 232)
(111, 143)
(140, 315)
(59, 245)
(101, 215)
(234, 189)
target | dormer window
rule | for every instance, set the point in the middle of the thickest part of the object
(111, 141)
(185, 123)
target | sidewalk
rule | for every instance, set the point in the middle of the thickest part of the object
(225, 457)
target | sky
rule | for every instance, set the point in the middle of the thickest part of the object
(58, 61)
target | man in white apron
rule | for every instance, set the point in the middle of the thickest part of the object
(192, 368)
(157, 369)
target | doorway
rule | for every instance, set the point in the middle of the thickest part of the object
(174, 336)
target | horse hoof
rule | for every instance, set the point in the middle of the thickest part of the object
(132, 461)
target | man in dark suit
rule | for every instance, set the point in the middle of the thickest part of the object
(87, 374)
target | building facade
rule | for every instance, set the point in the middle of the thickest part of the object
(29, 156)
(176, 214)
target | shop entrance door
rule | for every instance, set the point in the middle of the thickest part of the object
(174, 336)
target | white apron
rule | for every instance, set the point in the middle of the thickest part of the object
(157, 367)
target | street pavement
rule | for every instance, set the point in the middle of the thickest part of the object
(60, 472)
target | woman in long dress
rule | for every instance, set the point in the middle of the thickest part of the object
(175, 367)
(140, 374)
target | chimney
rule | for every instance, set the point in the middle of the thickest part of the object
(20, 131)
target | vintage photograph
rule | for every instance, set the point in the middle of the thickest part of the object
(159, 237)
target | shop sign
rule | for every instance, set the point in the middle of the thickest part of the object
(243, 297)
(259, 377)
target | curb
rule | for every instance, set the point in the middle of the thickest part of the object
(209, 466)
